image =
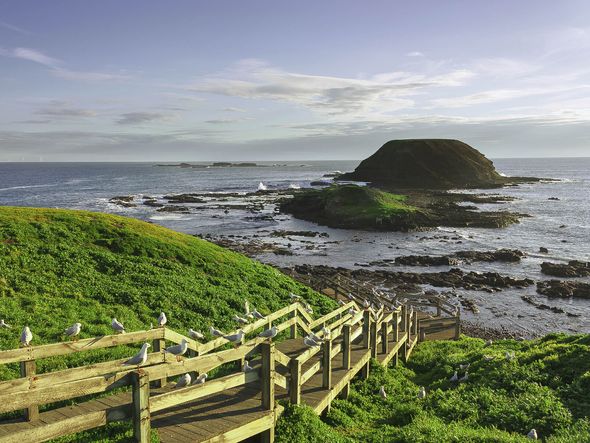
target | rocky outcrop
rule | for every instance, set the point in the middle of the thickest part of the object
(574, 268)
(560, 288)
(501, 255)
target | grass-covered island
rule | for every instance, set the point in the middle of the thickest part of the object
(362, 207)
(58, 267)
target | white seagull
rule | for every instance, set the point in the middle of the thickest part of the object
(308, 341)
(308, 308)
(183, 380)
(215, 332)
(422, 392)
(139, 358)
(117, 326)
(510, 355)
(366, 304)
(269, 333)
(489, 343)
(195, 335)
(382, 392)
(465, 377)
(162, 320)
(464, 367)
(533, 434)
(294, 297)
(246, 307)
(73, 330)
(257, 315)
(200, 379)
(4, 325)
(454, 378)
(178, 350)
(246, 367)
(240, 320)
(326, 333)
(488, 357)
(26, 336)
(236, 339)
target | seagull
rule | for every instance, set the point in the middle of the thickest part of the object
(351, 311)
(510, 355)
(200, 379)
(533, 434)
(183, 380)
(139, 358)
(382, 392)
(488, 357)
(257, 314)
(195, 335)
(246, 367)
(240, 320)
(308, 308)
(326, 332)
(341, 302)
(178, 350)
(262, 187)
(4, 325)
(117, 326)
(73, 330)
(366, 304)
(236, 339)
(308, 341)
(26, 336)
(350, 296)
(269, 333)
(454, 378)
(464, 367)
(294, 297)
(162, 320)
(465, 377)
(246, 307)
(489, 343)
(422, 392)
(215, 332)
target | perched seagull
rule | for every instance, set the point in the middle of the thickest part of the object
(326, 334)
(236, 339)
(366, 304)
(350, 296)
(454, 378)
(178, 350)
(488, 357)
(308, 341)
(73, 330)
(195, 335)
(246, 367)
(4, 325)
(294, 297)
(26, 336)
(341, 302)
(215, 332)
(183, 380)
(464, 367)
(200, 379)
(533, 434)
(308, 308)
(510, 355)
(139, 358)
(422, 392)
(465, 377)
(489, 343)
(351, 311)
(382, 392)
(257, 315)
(117, 326)
(162, 320)
(269, 333)
(240, 320)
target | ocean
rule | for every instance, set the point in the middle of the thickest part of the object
(562, 226)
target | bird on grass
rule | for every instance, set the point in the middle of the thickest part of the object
(294, 297)
(246, 307)
(309, 341)
(215, 332)
(533, 434)
(382, 392)
(200, 379)
(195, 335)
(73, 330)
(178, 349)
(117, 326)
(26, 336)
(465, 377)
(422, 392)
(269, 333)
(162, 320)
(236, 338)
(140, 358)
(510, 355)
(4, 325)
(488, 357)
(489, 343)
(454, 378)
(183, 380)
(246, 367)
(464, 367)
(240, 320)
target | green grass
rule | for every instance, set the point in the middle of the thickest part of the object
(58, 267)
(545, 387)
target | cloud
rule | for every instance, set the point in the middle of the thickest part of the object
(35, 56)
(136, 118)
(329, 95)
(232, 109)
(66, 112)
(14, 28)
(415, 54)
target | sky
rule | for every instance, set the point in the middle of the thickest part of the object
(191, 80)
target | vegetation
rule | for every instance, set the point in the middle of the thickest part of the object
(544, 387)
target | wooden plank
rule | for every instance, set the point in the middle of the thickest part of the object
(282, 358)
(159, 345)
(177, 338)
(310, 372)
(268, 375)
(303, 313)
(243, 432)
(327, 365)
(307, 354)
(346, 344)
(331, 315)
(281, 381)
(295, 383)
(293, 331)
(85, 344)
(28, 370)
(374, 337)
(141, 406)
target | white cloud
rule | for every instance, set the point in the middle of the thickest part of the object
(66, 112)
(35, 56)
(136, 118)
(415, 54)
(14, 28)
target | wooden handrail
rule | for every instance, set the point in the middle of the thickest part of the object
(332, 314)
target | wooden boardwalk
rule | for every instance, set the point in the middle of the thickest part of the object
(231, 407)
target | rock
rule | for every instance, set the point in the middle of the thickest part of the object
(428, 163)
(123, 200)
(501, 255)
(320, 183)
(297, 234)
(560, 288)
(170, 208)
(543, 250)
(553, 198)
(426, 260)
(153, 203)
(184, 198)
(574, 268)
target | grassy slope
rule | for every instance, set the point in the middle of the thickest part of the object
(546, 387)
(58, 267)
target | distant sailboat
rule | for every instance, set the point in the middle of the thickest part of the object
(262, 187)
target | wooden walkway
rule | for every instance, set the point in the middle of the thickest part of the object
(225, 408)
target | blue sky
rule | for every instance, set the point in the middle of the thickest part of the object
(212, 80)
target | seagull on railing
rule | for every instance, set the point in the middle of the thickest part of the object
(533, 434)
(215, 332)
(195, 335)
(422, 393)
(140, 358)
(308, 308)
(326, 333)
(257, 315)
(294, 297)
(162, 320)
(117, 326)
(183, 380)
(366, 304)
(73, 330)
(178, 350)
(236, 339)
(4, 325)
(350, 296)
(454, 378)
(352, 311)
(200, 379)
(341, 302)
(240, 320)
(269, 333)
(309, 341)
(26, 336)
(382, 392)
(246, 367)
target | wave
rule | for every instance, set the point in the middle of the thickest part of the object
(28, 187)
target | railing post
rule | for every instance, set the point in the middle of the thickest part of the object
(366, 329)
(159, 345)
(384, 338)
(141, 406)
(404, 346)
(294, 326)
(396, 336)
(415, 323)
(327, 365)
(28, 369)
(294, 384)
(346, 346)
(374, 339)
(268, 375)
